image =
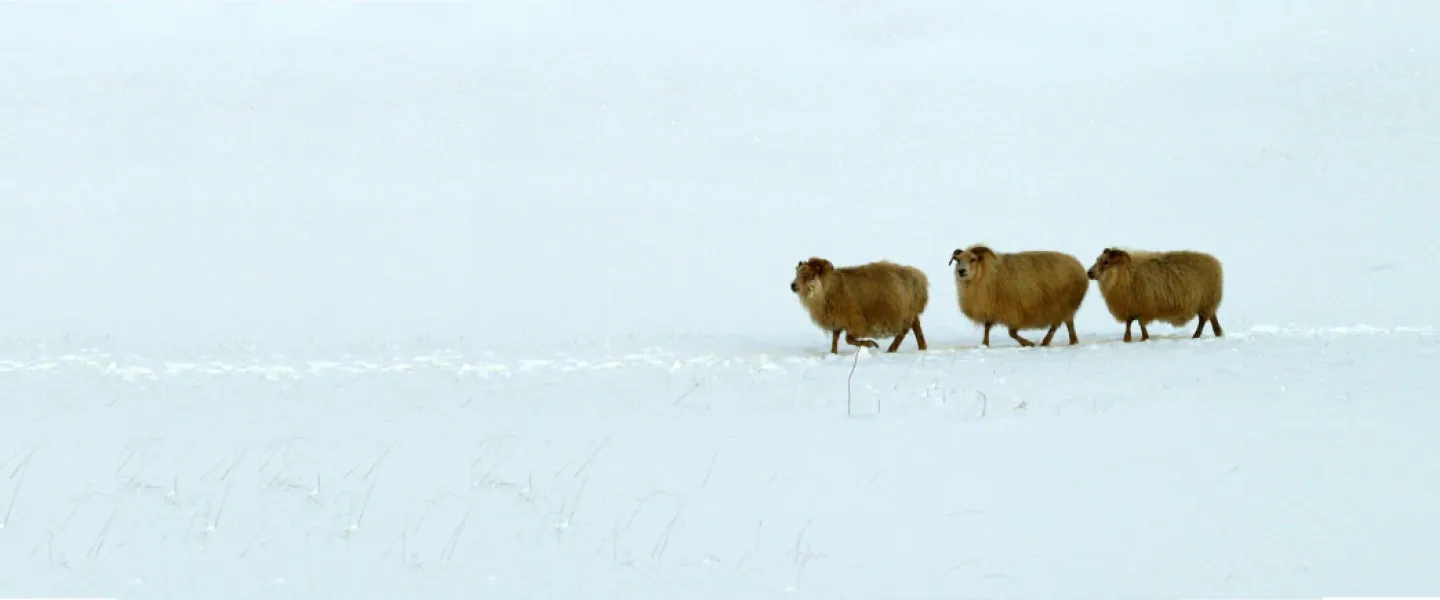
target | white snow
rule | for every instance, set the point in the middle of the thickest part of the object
(490, 300)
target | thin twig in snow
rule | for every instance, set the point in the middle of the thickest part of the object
(752, 550)
(686, 394)
(524, 494)
(663, 541)
(234, 463)
(876, 477)
(209, 471)
(641, 502)
(13, 495)
(480, 455)
(174, 496)
(796, 551)
(848, 410)
(364, 504)
(128, 457)
(800, 572)
(803, 558)
(246, 551)
(100, 538)
(565, 466)
(454, 538)
(711, 469)
(22, 471)
(25, 462)
(587, 462)
(221, 510)
(578, 493)
(375, 466)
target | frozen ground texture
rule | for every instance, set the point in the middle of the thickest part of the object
(487, 300)
(1272, 463)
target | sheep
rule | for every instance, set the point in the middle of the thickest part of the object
(878, 299)
(1171, 287)
(1020, 290)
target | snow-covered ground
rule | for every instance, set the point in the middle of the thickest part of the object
(1272, 463)
(491, 300)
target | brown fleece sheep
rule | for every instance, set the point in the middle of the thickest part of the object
(878, 299)
(1020, 290)
(1170, 287)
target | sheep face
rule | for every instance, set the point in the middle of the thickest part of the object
(1108, 259)
(970, 263)
(808, 275)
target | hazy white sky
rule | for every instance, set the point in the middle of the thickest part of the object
(360, 172)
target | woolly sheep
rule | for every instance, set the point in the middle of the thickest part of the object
(877, 299)
(1020, 290)
(1171, 287)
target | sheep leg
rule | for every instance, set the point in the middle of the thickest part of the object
(895, 345)
(1144, 333)
(1050, 335)
(854, 341)
(919, 335)
(1015, 334)
(1199, 327)
(835, 342)
(1128, 322)
(1215, 327)
(1070, 328)
(986, 341)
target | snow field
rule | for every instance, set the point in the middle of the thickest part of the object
(1068, 471)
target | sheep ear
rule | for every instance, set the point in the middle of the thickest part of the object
(982, 251)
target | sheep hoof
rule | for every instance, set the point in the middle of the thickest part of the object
(858, 342)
